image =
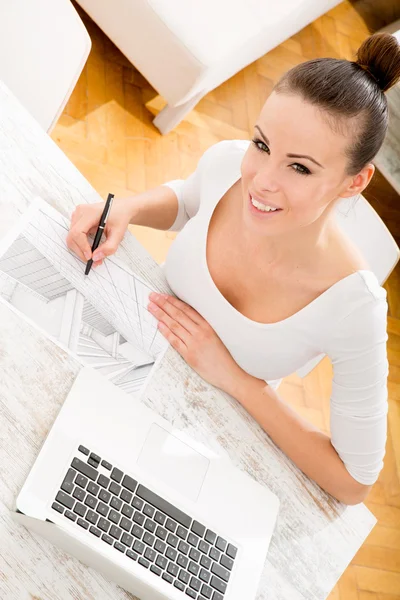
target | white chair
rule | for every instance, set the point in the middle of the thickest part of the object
(365, 228)
(43, 49)
(185, 48)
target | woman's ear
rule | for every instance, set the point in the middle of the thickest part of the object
(359, 182)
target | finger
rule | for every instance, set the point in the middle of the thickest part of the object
(111, 244)
(79, 238)
(177, 328)
(167, 312)
(180, 311)
(76, 250)
(173, 339)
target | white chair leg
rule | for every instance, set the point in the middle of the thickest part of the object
(170, 116)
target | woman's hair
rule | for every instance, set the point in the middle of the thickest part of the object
(351, 90)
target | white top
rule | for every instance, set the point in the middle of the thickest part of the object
(347, 322)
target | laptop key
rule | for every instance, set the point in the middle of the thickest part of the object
(220, 571)
(171, 553)
(103, 481)
(172, 569)
(182, 532)
(114, 516)
(205, 562)
(172, 540)
(178, 584)
(119, 547)
(115, 488)
(215, 554)
(150, 554)
(217, 596)
(148, 539)
(150, 525)
(184, 576)
(127, 539)
(68, 483)
(92, 517)
(167, 577)
(198, 528)
(193, 540)
(83, 523)
(70, 515)
(115, 532)
(204, 547)
(102, 509)
(125, 524)
(159, 518)
(65, 499)
(148, 510)
(85, 469)
(81, 481)
(91, 501)
(106, 465)
(204, 575)
(171, 525)
(137, 531)
(95, 457)
(79, 494)
(145, 563)
(93, 488)
(103, 524)
(182, 561)
(161, 561)
(58, 507)
(218, 584)
(138, 547)
(131, 554)
(127, 510)
(231, 550)
(194, 555)
(104, 496)
(161, 532)
(126, 496)
(116, 503)
(183, 547)
(206, 590)
(210, 536)
(155, 570)
(107, 538)
(93, 463)
(95, 531)
(79, 509)
(195, 583)
(193, 568)
(116, 475)
(221, 543)
(226, 562)
(83, 450)
(129, 483)
(160, 546)
(164, 506)
(191, 593)
(137, 503)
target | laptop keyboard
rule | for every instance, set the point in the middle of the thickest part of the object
(146, 528)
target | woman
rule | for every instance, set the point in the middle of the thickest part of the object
(265, 279)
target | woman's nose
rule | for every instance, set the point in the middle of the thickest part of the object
(266, 180)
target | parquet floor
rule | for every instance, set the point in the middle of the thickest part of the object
(106, 131)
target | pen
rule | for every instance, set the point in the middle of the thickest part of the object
(100, 229)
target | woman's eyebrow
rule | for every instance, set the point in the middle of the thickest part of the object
(289, 155)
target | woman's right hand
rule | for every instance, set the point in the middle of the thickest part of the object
(85, 220)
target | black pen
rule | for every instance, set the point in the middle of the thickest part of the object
(100, 229)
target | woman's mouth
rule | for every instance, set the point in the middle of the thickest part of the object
(262, 209)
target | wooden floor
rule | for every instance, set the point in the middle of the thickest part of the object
(107, 132)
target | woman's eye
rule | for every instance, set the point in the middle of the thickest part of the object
(260, 145)
(301, 169)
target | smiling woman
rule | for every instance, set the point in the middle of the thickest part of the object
(265, 280)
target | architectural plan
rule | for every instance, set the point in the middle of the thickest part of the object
(101, 318)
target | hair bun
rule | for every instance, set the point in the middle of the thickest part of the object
(379, 55)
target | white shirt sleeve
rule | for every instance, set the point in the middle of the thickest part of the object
(359, 403)
(187, 192)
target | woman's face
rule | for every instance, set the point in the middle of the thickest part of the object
(302, 186)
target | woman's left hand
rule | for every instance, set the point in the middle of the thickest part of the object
(195, 340)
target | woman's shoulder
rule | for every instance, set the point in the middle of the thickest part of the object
(224, 150)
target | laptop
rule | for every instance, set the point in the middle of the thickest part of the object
(154, 510)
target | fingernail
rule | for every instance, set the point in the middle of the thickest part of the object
(87, 255)
(98, 256)
(153, 296)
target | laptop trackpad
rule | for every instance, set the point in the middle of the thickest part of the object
(173, 462)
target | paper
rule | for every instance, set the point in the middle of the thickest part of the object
(101, 318)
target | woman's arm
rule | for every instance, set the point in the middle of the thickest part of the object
(310, 449)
